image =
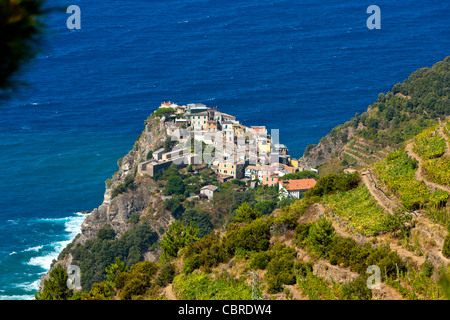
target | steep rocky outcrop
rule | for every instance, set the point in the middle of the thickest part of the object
(143, 197)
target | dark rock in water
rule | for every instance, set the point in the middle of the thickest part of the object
(85, 212)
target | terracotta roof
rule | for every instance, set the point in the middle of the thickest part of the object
(300, 184)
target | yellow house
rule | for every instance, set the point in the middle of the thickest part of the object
(294, 163)
(264, 145)
(239, 130)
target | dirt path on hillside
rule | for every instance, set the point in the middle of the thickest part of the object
(369, 181)
(168, 292)
(441, 131)
(419, 174)
(297, 294)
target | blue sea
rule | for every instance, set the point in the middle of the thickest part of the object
(302, 67)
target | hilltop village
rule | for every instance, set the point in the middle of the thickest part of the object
(202, 135)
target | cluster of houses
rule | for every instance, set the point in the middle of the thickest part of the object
(231, 149)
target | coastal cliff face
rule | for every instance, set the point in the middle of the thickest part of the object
(116, 211)
(143, 199)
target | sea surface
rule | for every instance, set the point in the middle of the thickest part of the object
(302, 67)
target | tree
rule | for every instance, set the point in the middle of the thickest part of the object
(446, 247)
(200, 220)
(115, 269)
(176, 238)
(168, 144)
(55, 288)
(265, 207)
(306, 174)
(245, 213)
(175, 185)
(20, 25)
(320, 236)
(106, 233)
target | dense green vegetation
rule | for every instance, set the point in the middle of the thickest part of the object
(301, 175)
(320, 239)
(446, 247)
(55, 288)
(337, 182)
(161, 112)
(409, 108)
(414, 284)
(95, 255)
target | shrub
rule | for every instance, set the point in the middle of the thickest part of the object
(246, 214)
(266, 207)
(320, 236)
(334, 182)
(175, 185)
(208, 252)
(133, 219)
(356, 290)
(260, 260)
(165, 274)
(123, 187)
(200, 220)
(280, 268)
(97, 254)
(106, 233)
(301, 234)
(446, 247)
(252, 237)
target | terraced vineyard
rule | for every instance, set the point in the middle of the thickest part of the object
(359, 210)
(362, 153)
(447, 128)
(429, 143)
(397, 172)
(431, 146)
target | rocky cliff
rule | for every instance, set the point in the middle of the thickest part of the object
(143, 199)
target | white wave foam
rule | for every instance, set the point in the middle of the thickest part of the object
(72, 227)
(17, 297)
(37, 248)
(29, 286)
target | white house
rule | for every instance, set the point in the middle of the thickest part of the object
(209, 191)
